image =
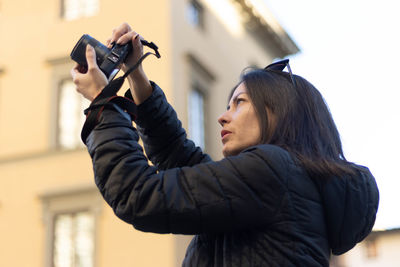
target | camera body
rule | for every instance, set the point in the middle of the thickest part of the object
(108, 60)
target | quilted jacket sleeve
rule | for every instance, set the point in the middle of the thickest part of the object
(164, 139)
(238, 192)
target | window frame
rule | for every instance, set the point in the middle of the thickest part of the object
(201, 79)
(196, 87)
(60, 71)
(58, 142)
(69, 201)
(195, 5)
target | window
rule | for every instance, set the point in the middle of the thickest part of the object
(74, 9)
(70, 221)
(70, 115)
(197, 102)
(67, 107)
(196, 116)
(73, 239)
(195, 13)
(371, 250)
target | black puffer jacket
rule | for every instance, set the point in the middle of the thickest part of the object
(255, 209)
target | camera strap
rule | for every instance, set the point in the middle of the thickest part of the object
(108, 97)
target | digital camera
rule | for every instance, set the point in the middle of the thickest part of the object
(108, 59)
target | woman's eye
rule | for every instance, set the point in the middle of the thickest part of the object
(239, 100)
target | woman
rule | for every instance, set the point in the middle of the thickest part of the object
(284, 195)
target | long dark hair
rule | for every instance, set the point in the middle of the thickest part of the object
(303, 124)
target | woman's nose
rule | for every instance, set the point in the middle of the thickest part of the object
(223, 118)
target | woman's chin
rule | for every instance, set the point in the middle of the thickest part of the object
(226, 151)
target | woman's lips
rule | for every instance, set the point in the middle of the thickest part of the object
(224, 133)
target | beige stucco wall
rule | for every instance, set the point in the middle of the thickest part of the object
(33, 36)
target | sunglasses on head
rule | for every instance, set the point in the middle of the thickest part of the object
(280, 66)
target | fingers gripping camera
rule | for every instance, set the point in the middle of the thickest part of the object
(108, 60)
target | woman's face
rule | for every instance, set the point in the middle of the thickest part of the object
(240, 125)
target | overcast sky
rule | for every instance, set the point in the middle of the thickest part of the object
(350, 52)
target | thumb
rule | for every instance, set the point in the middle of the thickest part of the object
(91, 57)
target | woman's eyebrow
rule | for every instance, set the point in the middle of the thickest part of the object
(235, 98)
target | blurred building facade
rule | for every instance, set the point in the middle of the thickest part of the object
(380, 248)
(51, 214)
